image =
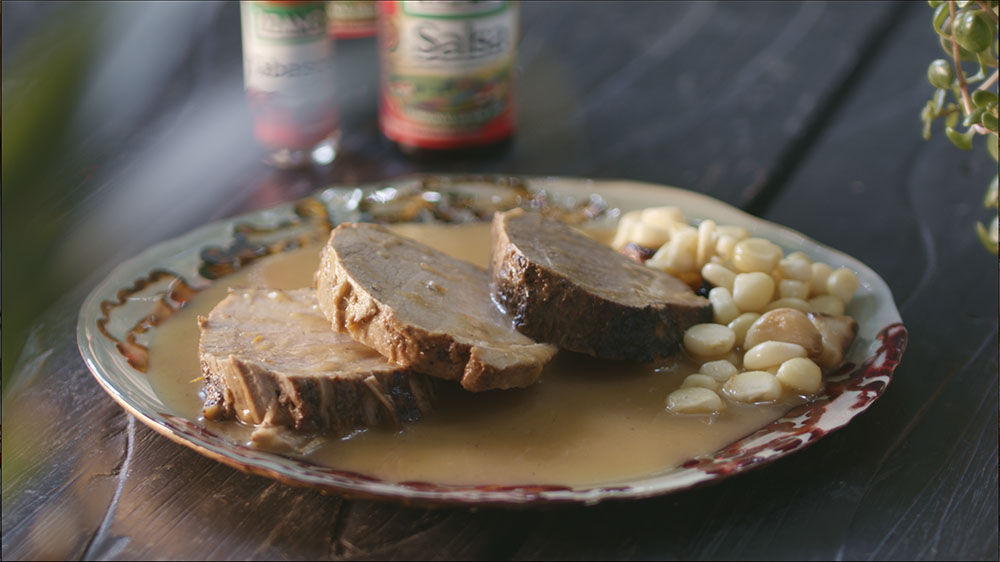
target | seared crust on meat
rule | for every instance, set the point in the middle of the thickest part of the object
(423, 310)
(270, 359)
(561, 287)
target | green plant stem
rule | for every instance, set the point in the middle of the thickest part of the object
(989, 81)
(963, 86)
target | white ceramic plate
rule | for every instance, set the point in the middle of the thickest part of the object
(121, 314)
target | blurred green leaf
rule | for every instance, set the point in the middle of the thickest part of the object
(940, 15)
(940, 74)
(988, 120)
(983, 98)
(991, 195)
(973, 117)
(988, 237)
(952, 119)
(972, 31)
(961, 140)
(42, 82)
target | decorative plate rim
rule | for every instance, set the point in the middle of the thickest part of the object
(847, 394)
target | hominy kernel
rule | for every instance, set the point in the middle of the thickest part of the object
(623, 235)
(649, 236)
(842, 283)
(789, 302)
(700, 380)
(796, 266)
(752, 291)
(718, 275)
(741, 324)
(827, 304)
(725, 246)
(679, 227)
(708, 340)
(771, 354)
(676, 256)
(791, 288)
(756, 254)
(753, 386)
(736, 232)
(661, 217)
(694, 400)
(787, 325)
(801, 374)
(724, 309)
(820, 273)
(706, 242)
(719, 370)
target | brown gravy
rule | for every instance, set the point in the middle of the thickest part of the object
(588, 421)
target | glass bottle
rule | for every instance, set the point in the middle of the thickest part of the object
(446, 79)
(288, 74)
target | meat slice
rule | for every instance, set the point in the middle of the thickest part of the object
(562, 287)
(270, 359)
(423, 310)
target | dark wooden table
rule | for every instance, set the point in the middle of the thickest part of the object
(125, 124)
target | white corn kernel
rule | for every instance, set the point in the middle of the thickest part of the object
(752, 291)
(820, 273)
(725, 246)
(679, 227)
(694, 400)
(718, 275)
(741, 324)
(788, 325)
(700, 380)
(648, 236)
(801, 375)
(842, 283)
(756, 254)
(719, 370)
(796, 266)
(676, 256)
(771, 354)
(623, 235)
(706, 242)
(662, 217)
(724, 309)
(789, 302)
(735, 232)
(753, 386)
(791, 288)
(827, 304)
(708, 340)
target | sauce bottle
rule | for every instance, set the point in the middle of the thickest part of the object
(446, 77)
(288, 75)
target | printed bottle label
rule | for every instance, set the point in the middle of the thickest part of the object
(288, 71)
(447, 72)
(351, 18)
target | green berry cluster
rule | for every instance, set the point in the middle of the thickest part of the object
(967, 30)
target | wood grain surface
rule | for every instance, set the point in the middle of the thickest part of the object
(804, 113)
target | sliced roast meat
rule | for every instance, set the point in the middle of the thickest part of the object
(422, 309)
(561, 287)
(270, 359)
